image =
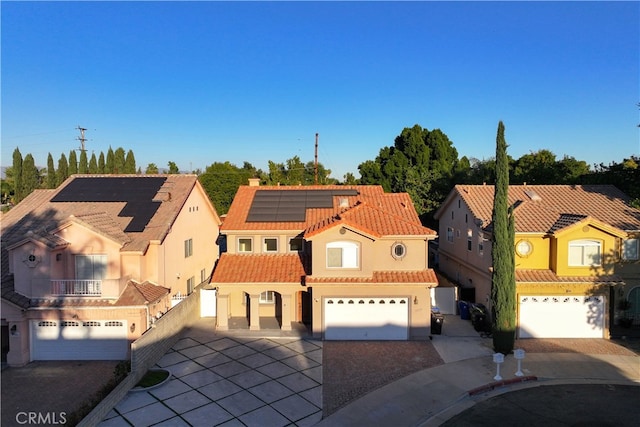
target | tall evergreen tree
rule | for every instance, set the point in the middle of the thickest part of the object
(83, 165)
(17, 176)
(102, 167)
(130, 163)
(119, 161)
(173, 168)
(503, 282)
(110, 165)
(30, 175)
(93, 164)
(73, 163)
(51, 172)
(152, 168)
(63, 170)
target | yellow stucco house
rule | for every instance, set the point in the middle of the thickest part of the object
(87, 267)
(576, 254)
(349, 262)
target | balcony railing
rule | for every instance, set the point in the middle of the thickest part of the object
(88, 288)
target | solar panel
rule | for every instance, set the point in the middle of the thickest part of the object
(291, 205)
(138, 193)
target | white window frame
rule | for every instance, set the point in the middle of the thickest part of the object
(631, 249)
(268, 297)
(191, 284)
(250, 240)
(265, 246)
(578, 253)
(394, 250)
(349, 255)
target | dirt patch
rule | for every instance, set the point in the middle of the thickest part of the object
(352, 369)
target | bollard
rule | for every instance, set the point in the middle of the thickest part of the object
(519, 355)
(498, 358)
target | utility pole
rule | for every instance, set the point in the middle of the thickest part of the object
(315, 163)
(81, 138)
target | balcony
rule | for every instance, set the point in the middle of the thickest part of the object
(88, 288)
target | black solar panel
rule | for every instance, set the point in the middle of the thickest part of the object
(291, 205)
(138, 193)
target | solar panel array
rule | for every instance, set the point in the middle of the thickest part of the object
(138, 193)
(291, 205)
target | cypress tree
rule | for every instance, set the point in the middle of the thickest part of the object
(63, 170)
(503, 284)
(109, 166)
(102, 167)
(30, 175)
(17, 176)
(73, 163)
(51, 172)
(130, 163)
(83, 166)
(93, 164)
(119, 161)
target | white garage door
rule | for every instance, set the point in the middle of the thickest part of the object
(561, 316)
(77, 340)
(370, 318)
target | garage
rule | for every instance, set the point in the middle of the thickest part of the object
(559, 316)
(366, 318)
(78, 340)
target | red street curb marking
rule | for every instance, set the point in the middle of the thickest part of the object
(493, 386)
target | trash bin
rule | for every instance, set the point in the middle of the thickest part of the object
(437, 320)
(463, 308)
(479, 317)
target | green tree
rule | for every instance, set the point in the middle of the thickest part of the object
(30, 175)
(51, 172)
(63, 170)
(624, 175)
(93, 164)
(17, 176)
(350, 179)
(83, 165)
(119, 161)
(102, 165)
(73, 163)
(130, 163)
(173, 168)
(110, 165)
(221, 182)
(152, 168)
(503, 283)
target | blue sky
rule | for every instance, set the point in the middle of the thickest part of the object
(201, 82)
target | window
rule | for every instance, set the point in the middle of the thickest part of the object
(188, 248)
(631, 249)
(398, 250)
(267, 297)
(584, 253)
(203, 275)
(191, 282)
(245, 244)
(524, 248)
(91, 267)
(270, 244)
(296, 244)
(449, 234)
(469, 244)
(342, 255)
(480, 247)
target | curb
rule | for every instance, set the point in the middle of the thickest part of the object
(492, 386)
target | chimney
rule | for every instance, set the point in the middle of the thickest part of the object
(254, 182)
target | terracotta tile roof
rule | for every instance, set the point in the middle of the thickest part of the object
(546, 208)
(141, 293)
(384, 214)
(259, 268)
(548, 276)
(425, 277)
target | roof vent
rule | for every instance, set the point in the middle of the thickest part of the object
(344, 203)
(533, 195)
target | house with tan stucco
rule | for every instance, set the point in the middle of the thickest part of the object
(348, 262)
(576, 254)
(89, 266)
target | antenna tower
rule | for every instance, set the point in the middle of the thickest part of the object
(81, 138)
(315, 163)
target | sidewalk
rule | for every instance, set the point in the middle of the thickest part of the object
(429, 397)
